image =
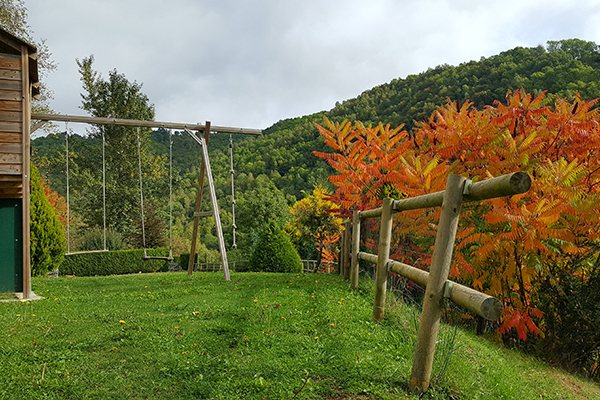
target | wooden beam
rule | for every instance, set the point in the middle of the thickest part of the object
(141, 123)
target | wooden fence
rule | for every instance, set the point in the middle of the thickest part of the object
(308, 266)
(327, 267)
(438, 287)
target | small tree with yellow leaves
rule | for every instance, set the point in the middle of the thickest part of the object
(315, 225)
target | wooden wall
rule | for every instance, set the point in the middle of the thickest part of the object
(11, 126)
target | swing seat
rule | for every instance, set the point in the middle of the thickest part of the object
(86, 252)
(146, 258)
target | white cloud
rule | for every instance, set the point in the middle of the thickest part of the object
(251, 63)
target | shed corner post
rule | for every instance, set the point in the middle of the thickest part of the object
(26, 132)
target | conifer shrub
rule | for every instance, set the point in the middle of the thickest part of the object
(47, 239)
(274, 252)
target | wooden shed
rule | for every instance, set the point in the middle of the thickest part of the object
(18, 84)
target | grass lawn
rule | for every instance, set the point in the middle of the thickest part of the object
(259, 336)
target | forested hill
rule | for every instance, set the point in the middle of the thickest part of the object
(280, 164)
(561, 68)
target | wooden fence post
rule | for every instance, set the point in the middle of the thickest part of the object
(385, 234)
(347, 250)
(438, 275)
(355, 249)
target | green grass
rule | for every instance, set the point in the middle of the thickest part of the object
(257, 336)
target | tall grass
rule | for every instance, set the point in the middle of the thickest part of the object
(271, 336)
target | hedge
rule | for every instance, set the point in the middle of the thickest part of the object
(114, 263)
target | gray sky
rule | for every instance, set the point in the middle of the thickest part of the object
(250, 63)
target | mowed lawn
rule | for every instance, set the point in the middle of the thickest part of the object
(259, 336)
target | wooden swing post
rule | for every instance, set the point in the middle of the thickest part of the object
(197, 214)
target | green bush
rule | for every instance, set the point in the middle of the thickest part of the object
(114, 263)
(274, 252)
(571, 307)
(47, 240)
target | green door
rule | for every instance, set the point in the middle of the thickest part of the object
(11, 246)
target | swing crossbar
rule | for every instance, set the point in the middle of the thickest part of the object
(73, 253)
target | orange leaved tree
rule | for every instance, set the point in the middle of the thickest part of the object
(506, 246)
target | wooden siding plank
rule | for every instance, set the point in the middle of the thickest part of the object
(10, 63)
(11, 169)
(10, 127)
(11, 116)
(10, 75)
(9, 191)
(9, 184)
(11, 137)
(11, 178)
(12, 95)
(11, 159)
(6, 84)
(6, 105)
(11, 148)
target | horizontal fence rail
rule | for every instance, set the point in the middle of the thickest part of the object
(505, 185)
(481, 304)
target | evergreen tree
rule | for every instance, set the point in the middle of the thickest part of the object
(47, 237)
(274, 252)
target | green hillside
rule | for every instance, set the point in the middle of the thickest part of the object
(280, 166)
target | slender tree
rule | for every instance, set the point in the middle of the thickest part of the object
(117, 97)
(47, 238)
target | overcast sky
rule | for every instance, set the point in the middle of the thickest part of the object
(250, 63)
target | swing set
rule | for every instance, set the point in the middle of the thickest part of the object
(202, 140)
